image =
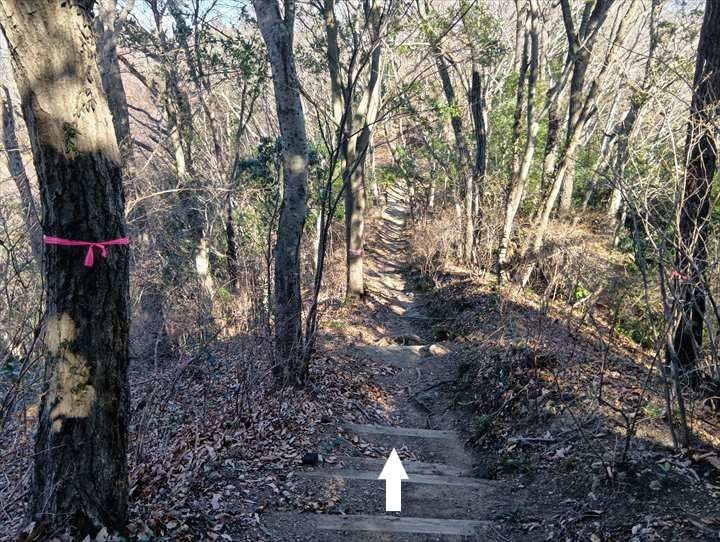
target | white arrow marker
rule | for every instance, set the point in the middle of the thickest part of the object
(393, 473)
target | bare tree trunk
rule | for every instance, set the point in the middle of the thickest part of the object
(518, 53)
(477, 108)
(624, 129)
(80, 474)
(523, 62)
(593, 17)
(333, 60)
(107, 24)
(357, 149)
(179, 115)
(601, 166)
(317, 242)
(354, 213)
(581, 45)
(233, 266)
(374, 90)
(355, 135)
(549, 203)
(551, 141)
(701, 164)
(278, 34)
(372, 173)
(518, 184)
(462, 149)
(622, 132)
(16, 168)
(431, 195)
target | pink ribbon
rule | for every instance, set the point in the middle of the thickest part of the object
(90, 256)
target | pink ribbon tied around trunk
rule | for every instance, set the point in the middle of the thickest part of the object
(90, 256)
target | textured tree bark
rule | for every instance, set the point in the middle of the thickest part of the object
(80, 473)
(364, 118)
(354, 213)
(701, 165)
(277, 33)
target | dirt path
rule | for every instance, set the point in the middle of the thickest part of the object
(442, 500)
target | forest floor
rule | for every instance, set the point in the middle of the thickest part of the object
(443, 499)
(510, 416)
(523, 410)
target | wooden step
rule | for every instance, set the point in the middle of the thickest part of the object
(429, 445)
(393, 524)
(402, 357)
(430, 479)
(301, 527)
(367, 429)
(439, 497)
(411, 467)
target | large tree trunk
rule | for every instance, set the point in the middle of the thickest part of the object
(80, 474)
(354, 124)
(701, 149)
(363, 120)
(354, 213)
(277, 33)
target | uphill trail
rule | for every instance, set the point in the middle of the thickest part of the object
(445, 498)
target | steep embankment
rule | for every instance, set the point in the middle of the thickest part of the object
(555, 398)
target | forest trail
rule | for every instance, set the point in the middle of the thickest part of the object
(442, 500)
